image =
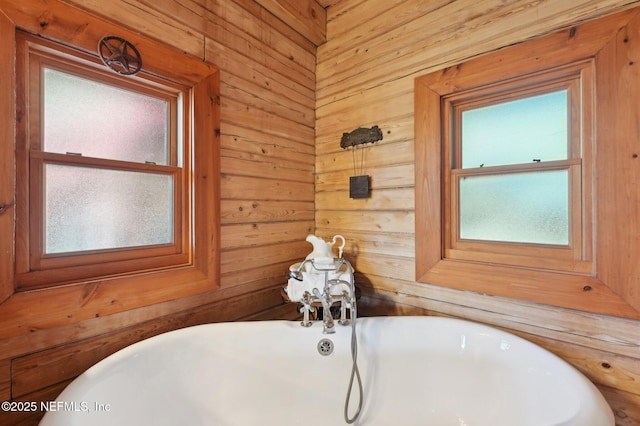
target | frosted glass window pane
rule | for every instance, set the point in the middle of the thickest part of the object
(519, 207)
(90, 209)
(516, 132)
(98, 120)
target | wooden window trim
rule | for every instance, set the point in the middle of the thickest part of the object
(602, 289)
(578, 80)
(22, 311)
(35, 268)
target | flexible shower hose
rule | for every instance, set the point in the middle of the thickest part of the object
(355, 373)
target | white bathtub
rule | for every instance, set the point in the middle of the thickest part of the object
(415, 371)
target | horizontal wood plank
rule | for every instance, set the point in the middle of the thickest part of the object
(258, 167)
(306, 16)
(363, 245)
(261, 188)
(255, 118)
(247, 93)
(392, 198)
(258, 277)
(380, 178)
(398, 221)
(252, 211)
(261, 234)
(236, 137)
(241, 259)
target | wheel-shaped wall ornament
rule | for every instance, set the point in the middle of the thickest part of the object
(119, 55)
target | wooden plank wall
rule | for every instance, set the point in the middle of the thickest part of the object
(267, 73)
(365, 77)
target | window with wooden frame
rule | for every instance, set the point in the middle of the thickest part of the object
(516, 189)
(86, 278)
(544, 213)
(104, 167)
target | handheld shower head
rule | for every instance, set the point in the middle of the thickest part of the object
(296, 275)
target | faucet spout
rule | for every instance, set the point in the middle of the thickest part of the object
(327, 318)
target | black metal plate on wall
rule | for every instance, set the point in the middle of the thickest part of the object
(359, 186)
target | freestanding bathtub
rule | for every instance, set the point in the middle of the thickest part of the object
(415, 371)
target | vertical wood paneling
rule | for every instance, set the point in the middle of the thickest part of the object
(365, 76)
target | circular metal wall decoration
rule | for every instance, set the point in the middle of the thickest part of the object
(119, 55)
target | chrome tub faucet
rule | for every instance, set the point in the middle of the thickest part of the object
(327, 297)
